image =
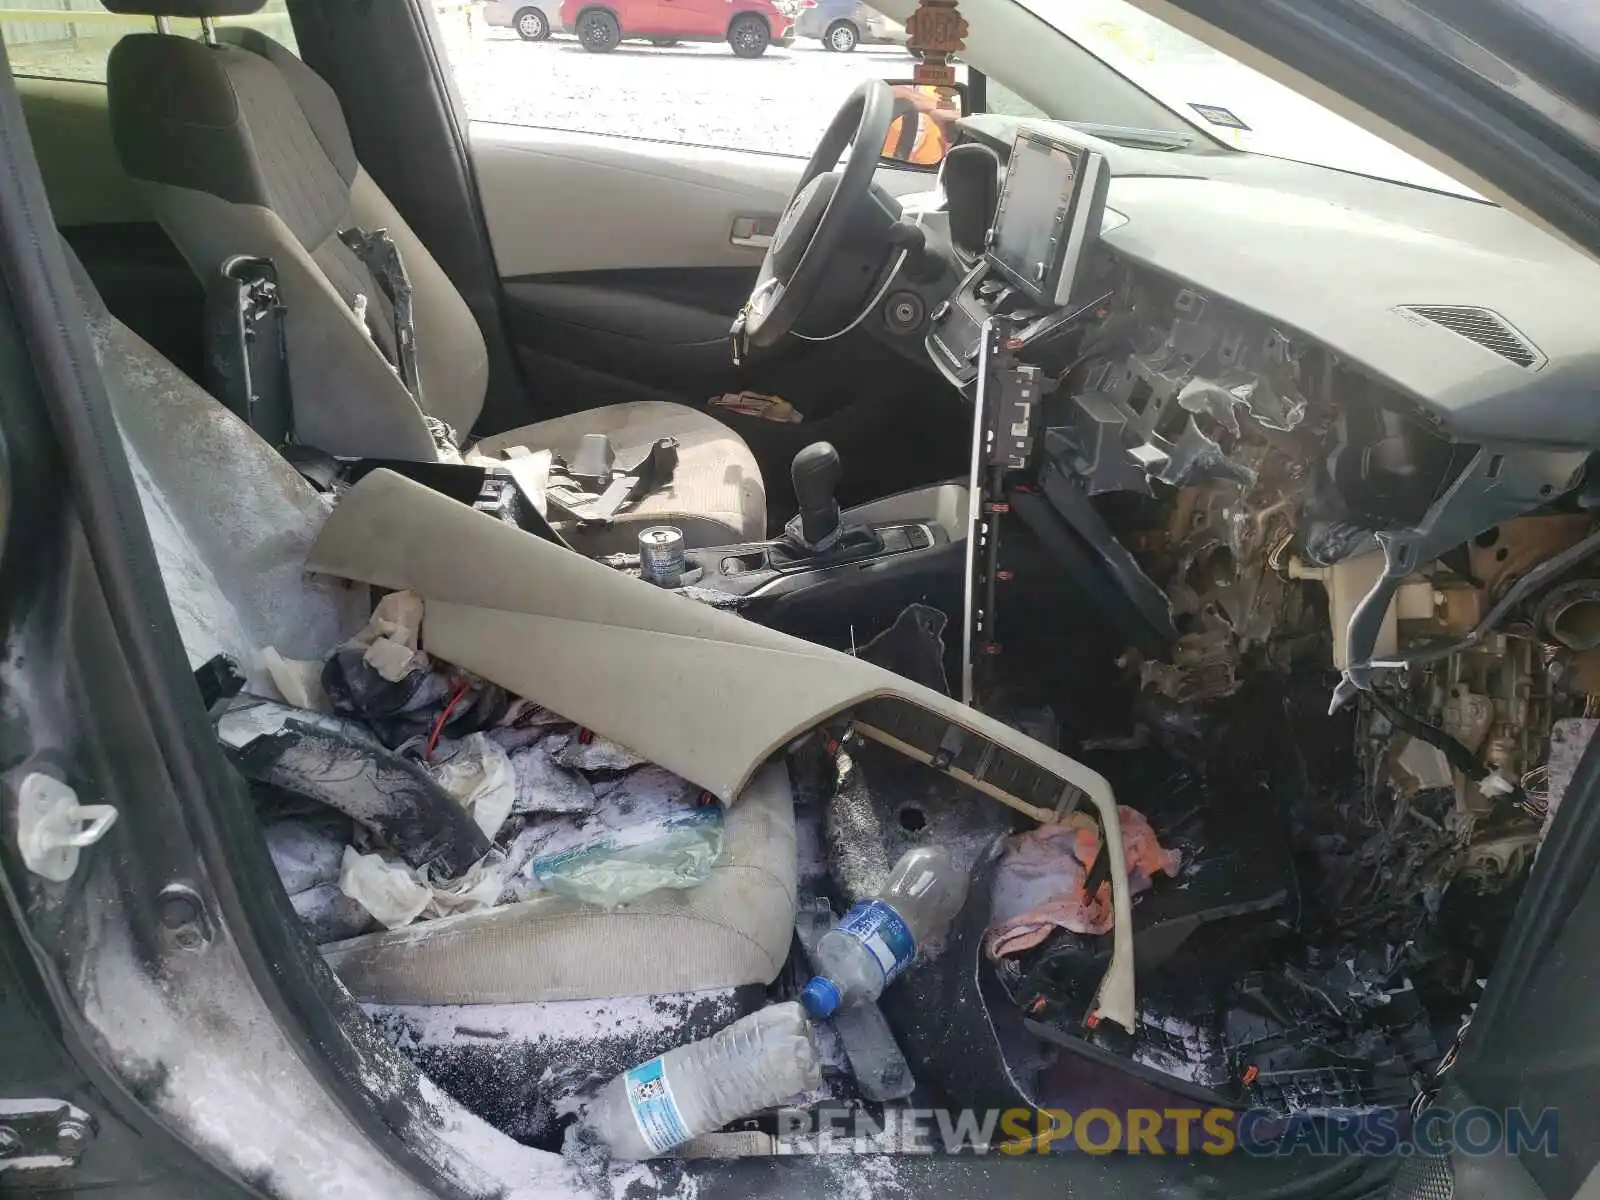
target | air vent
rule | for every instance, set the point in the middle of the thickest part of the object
(1489, 329)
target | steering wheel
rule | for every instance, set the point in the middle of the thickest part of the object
(818, 214)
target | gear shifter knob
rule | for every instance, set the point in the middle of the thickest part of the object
(815, 473)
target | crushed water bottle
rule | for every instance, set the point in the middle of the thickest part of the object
(878, 938)
(753, 1064)
(876, 1060)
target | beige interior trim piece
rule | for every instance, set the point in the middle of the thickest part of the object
(1045, 816)
(644, 203)
(704, 693)
(1349, 108)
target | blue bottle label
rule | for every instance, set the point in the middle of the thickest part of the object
(879, 928)
(654, 1109)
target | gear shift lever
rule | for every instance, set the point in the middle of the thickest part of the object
(815, 474)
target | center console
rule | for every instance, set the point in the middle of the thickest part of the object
(1050, 212)
(887, 535)
(839, 577)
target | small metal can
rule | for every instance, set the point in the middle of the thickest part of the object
(661, 559)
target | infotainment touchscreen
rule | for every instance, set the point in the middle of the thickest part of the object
(1050, 209)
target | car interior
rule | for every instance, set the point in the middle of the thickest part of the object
(1135, 472)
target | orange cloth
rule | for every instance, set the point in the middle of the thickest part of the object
(1039, 885)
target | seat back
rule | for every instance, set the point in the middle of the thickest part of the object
(243, 149)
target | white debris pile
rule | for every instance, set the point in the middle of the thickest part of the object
(560, 810)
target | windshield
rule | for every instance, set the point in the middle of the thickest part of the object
(1233, 103)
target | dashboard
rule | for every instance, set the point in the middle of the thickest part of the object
(1260, 355)
(1468, 316)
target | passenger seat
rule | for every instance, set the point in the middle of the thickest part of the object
(243, 149)
(232, 523)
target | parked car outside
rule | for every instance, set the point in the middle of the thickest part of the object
(748, 26)
(842, 25)
(532, 19)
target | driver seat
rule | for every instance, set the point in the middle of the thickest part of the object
(243, 149)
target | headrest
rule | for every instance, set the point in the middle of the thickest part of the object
(184, 8)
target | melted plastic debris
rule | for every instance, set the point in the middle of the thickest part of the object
(329, 915)
(525, 724)
(478, 773)
(713, 598)
(593, 754)
(396, 895)
(389, 890)
(545, 787)
(912, 647)
(338, 762)
(298, 681)
(392, 636)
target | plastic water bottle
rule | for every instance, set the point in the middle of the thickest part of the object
(878, 938)
(753, 1064)
(876, 1060)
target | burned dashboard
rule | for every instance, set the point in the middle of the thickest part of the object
(1255, 505)
(1263, 520)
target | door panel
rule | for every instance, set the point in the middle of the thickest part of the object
(617, 259)
(663, 326)
(618, 255)
(558, 201)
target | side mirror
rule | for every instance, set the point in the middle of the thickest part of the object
(924, 117)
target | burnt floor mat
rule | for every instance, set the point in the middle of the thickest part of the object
(1243, 999)
(514, 1064)
(1242, 1018)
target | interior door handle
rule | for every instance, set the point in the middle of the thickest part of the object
(753, 231)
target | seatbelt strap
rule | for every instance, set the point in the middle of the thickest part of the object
(628, 486)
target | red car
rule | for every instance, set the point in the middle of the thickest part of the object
(749, 26)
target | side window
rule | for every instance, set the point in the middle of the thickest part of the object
(756, 75)
(73, 43)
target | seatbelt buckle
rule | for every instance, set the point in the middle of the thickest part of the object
(736, 336)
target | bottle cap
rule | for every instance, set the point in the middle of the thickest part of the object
(821, 998)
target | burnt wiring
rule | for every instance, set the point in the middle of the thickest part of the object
(1459, 756)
